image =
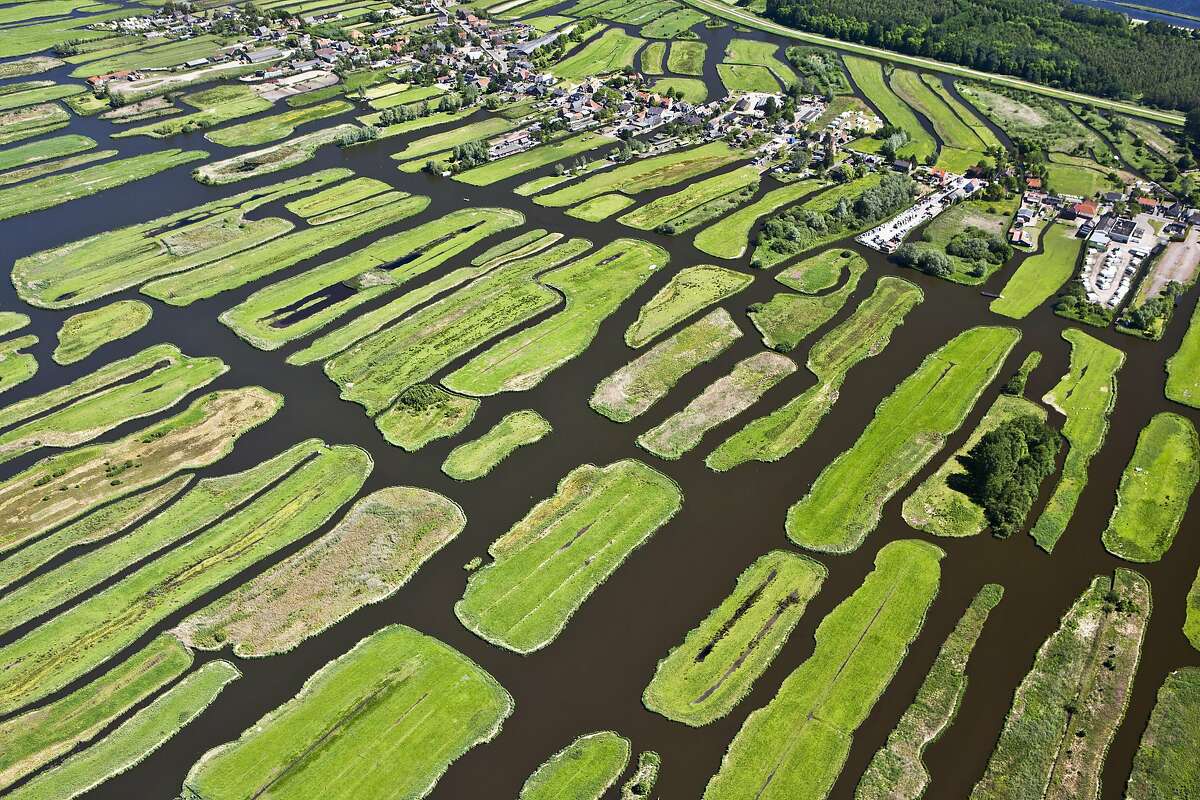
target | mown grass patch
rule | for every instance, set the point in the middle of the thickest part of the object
(401, 705)
(612, 52)
(1183, 368)
(762, 54)
(787, 319)
(583, 770)
(909, 427)
(641, 383)
(44, 150)
(687, 58)
(547, 565)
(720, 659)
(596, 209)
(868, 76)
(1040, 276)
(688, 291)
(657, 214)
(746, 78)
(730, 237)
(84, 333)
(277, 126)
(541, 156)
(480, 456)
(1165, 764)
(373, 550)
(1067, 709)
(1085, 396)
(796, 745)
(1155, 489)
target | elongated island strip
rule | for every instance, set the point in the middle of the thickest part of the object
(794, 747)
(937, 506)
(787, 318)
(537, 579)
(690, 290)
(635, 387)
(583, 770)
(909, 427)
(716, 665)
(366, 557)
(1165, 764)
(1067, 709)
(84, 636)
(144, 384)
(720, 401)
(864, 334)
(83, 334)
(1086, 396)
(898, 772)
(97, 266)
(77, 481)
(38, 737)
(135, 739)
(1156, 486)
(476, 458)
(195, 511)
(400, 706)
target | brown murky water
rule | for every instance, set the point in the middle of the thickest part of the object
(592, 677)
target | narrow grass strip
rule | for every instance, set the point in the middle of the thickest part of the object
(583, 770)
(478, 457)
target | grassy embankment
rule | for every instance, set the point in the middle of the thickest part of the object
(1155, 489)
(54, 190)
(864, 334)
(938, 507)
(730, 237)
(302, 304)
(400, 705)
(594, 287)
(1041, 275)
(635, 387)
(547, 565)
(38, 737)
(1085, 396)
(478, 457)
(84, 270)
(583, 770)
(139, 386)
(868, 75)
(82, 479)
(721, 400)
(1068, 707)
(787, 318)
(720, 659)
(909, 427)
(84, 333)
(687, 292)
(796, 745)
(1165, 764)
(239, 269)
(668, 212)
(135, 739)
(373, 550)
(86, 635)
(898, 771)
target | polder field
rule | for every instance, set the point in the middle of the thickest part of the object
(561, 474)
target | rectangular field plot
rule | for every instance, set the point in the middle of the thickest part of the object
(551, 561)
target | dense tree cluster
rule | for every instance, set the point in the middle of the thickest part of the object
(818, 72)
(1152, 316)
(931, 262)
(1005, 469)
(1052, 42)
(790, 230)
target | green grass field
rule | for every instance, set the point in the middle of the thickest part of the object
(1085, 396)
(84, 333)
(747, 78)
(687, 292)
(720, 659)
(865, 333)
(16, 367)
(767, 255)
(869, 78)
(1155, 489)
(424, 413)
(687, 58)
(898, 769)
(284, 155)
(694, 90)
(611, 52)
(1183, 368)
(478, 457)
(695, 194)
(339, 196)
(652, 57)
(935, 507)
(818, 273)
(762, 54)
(730, 237)
(794, 747)
(1041, 275)
(673, 24)
(1165, 764)
(83, 637)
(583, 770)
(596, 209)
(788, 319)
(910, 426)
(217, 106)
(1067, 709)
(544, 155)
(641, 383)
(594, 288)
(43, 150)
(373, 550)
(547, 565)
(277, 126)
(993, 217)
(947, 124)
(400, 706)
(437, 143)
(721, 400)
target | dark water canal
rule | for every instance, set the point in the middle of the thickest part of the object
(593, 675)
